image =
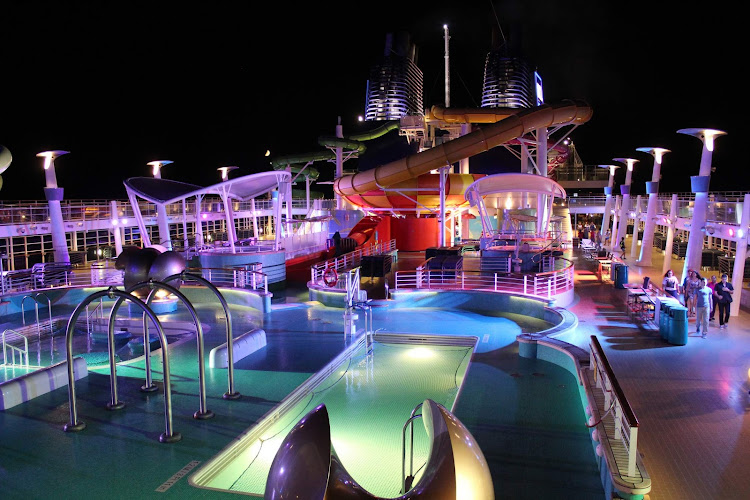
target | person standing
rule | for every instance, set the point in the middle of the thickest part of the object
(622, 248)
(712, 286)
(703, 303)
(723, 292)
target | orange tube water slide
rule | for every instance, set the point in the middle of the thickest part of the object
(479, 141)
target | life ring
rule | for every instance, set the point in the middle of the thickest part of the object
(330, 277)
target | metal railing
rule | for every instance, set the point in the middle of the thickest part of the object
(23, 353)
(407, 479)
(348, 261)
(545, 285)
(27, 280)
(625, 422)
(237, 277)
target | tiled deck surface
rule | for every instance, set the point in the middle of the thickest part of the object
(691, 401)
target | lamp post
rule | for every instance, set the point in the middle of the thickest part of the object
(161, 215)
(622, 226)
(699, 184)
(652, 189)
(608, 200)
(54, 195)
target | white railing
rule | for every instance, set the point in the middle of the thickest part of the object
(544, 285)
(237, 277)
(23, 353)
(45, 279)
(615, 402)
(348, 261)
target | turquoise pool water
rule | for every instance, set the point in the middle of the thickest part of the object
(369, 397)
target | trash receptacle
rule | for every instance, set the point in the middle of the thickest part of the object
(664, 320)
(678, 325)
(621, 275)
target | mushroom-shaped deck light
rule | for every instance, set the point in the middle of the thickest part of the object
(707, 135)
(630, 162)
(657, 153)
(225, 172)
(49, 165)
(157, 165)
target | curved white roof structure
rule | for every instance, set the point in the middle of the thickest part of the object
(165, 191)
(514, 191)
(517, 183)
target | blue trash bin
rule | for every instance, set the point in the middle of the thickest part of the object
(678, 325)
(664, 320)
(621, 276)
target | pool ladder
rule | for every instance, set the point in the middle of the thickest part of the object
(407, 480)
(23, 354)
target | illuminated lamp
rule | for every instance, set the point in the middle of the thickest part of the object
(731, 232)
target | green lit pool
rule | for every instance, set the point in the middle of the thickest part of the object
(369, 398)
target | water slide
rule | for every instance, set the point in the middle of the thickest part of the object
(512, 124)
(350, 143)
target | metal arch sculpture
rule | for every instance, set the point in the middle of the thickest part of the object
(75, 425)
(455, 467)
(202, 412)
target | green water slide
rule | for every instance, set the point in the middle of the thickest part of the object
(297, 162)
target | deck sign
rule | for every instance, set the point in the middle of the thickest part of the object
(177, 476)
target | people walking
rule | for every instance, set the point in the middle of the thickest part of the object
(703, 304)
(670, 285)
(712, 286)
(723, 292)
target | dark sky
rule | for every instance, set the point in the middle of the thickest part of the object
(209, 84)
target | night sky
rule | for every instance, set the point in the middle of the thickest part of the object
(210, 84)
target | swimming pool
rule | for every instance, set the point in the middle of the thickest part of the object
(369, 397)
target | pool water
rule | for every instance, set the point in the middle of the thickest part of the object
(369, 398)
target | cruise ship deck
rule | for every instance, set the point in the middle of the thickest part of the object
(691, 402)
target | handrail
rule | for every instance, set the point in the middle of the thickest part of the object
(153, 287)
(604, 376)
(545, 285)
(406, 480)
(22, 352)
(75, 425)
(186, 276)
(350, 260)
(34, 297)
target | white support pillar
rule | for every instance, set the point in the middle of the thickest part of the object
(463, 165)
(615, 222)
(636, 225)
(738, 272)
(230, 220)
(339, 163)
(670, 235)
(198, 220)
(54, 195)
(184, 224)
(652, 189)
(115, 227)
(699, 184)
(145, 239)
(163, 222)
(441, 216)
(608, 201)
(255, 218)
(625, 207)
(541, 164)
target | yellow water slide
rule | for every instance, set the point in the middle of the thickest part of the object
(512, 126)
